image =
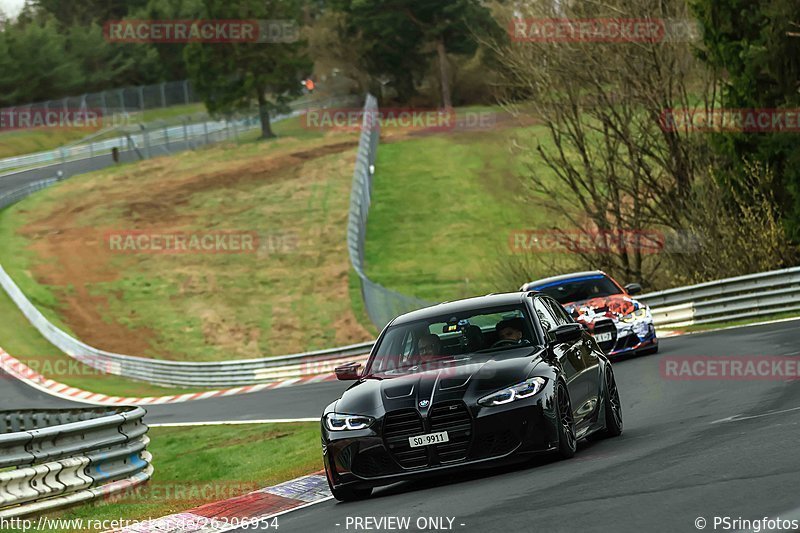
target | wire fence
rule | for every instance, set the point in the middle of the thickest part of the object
(115, 104)
(382, 304)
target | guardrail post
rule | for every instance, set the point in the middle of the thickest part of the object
(163, 94)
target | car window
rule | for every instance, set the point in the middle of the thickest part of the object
(578, 289)
(545, 314)
(560, 314)
(452, 338)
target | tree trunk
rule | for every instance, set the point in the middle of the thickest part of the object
(263, 114)
(443, 74)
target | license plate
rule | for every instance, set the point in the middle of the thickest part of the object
(427, 440)
(603, 337)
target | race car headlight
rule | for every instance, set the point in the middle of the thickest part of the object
(526, 389)
(340, 422)
(639, 314)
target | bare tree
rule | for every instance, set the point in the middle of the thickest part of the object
(609, 166)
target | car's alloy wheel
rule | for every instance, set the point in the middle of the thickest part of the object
(566, 423)
(614, 406)
(612, 411)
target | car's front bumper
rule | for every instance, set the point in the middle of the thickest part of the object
(497, 434)
(629, 341)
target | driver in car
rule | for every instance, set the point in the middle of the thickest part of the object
(428, 347)
(509, 331)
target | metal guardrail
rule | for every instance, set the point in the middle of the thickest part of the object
(742, 297)
(148, 140)
(64, 456)
(157, 138)
(177, 373)
(382, 304)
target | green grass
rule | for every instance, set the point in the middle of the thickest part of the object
(217, 462)
(198, 306)
(443, 207)
(21, 142)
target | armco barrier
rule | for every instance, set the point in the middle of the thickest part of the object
(176, 373)
(742, 297)
(65, 456)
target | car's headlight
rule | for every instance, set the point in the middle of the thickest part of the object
(639, 314)
(526, 389)
(340, 422)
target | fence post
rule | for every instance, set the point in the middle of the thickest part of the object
(186, 91)
(141, 98)
(146, 139)
(163, 94)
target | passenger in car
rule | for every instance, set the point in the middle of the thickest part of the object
(509, 330)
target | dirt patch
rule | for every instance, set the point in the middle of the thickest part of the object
(74, 257)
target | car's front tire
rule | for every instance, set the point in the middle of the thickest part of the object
(567, 444)
(612, 408)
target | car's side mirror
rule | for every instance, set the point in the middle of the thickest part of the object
(348, 372)
(633, 288)
(568, 332)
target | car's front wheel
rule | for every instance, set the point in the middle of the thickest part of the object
(566, 423)
(613, 408)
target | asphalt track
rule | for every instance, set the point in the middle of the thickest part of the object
(672, 465)
(678, 459)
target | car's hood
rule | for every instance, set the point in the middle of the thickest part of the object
(468, 380)
(614, 307)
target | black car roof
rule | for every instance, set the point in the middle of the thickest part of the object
(458, 306)
(562, 277)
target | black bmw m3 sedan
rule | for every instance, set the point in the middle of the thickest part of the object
(464, 384)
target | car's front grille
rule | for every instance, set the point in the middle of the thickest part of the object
(454, 418)
(374, 463)
(628, 341)
(398, 426)
(496, 444)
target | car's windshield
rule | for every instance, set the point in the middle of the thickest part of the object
(577, 289)
(468, 336)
